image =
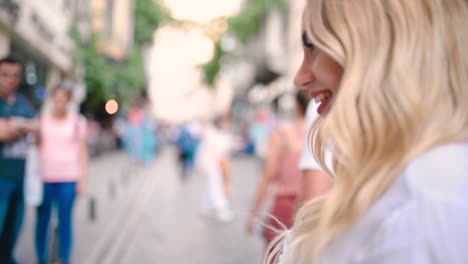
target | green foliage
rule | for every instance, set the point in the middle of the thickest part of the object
(129, 77)
(97, 77)
(107, 79)
(212, 68)
(245, 26)
(149, 14)
(248, 23)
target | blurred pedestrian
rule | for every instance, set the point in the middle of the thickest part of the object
(314, 181)
(223, 124)
(260, 130)
(281, 174)
(187, 142)
(140, 135)
(16, 122)
(63, 155)
(391, 80)
(150, 141)
(225, 165)
(215, 148)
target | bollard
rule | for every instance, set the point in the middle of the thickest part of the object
(92, 209)
(54, 249)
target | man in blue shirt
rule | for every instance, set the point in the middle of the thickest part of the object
(16, 122)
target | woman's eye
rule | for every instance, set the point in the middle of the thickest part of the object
(306, 42)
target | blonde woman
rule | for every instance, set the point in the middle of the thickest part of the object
(392, 80)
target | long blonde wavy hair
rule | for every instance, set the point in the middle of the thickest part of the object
(404, 90)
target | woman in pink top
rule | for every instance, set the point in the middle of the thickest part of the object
(282, 173)
(63, 156)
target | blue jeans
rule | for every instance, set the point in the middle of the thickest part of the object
(11, 217)
(63, 196)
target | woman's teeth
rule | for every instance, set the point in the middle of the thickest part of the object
(321, 97)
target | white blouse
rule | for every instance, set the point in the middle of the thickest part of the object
(422, 218)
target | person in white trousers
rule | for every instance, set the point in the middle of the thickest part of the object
(216, 146)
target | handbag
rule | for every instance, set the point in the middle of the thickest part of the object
(33, 185)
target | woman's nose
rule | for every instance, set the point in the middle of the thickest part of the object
(303, 77)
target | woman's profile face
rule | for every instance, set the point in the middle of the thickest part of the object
(60, 101)
(319, 75)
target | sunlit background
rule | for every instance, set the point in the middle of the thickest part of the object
(203, 11)
(176, 77)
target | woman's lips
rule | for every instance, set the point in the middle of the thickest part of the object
(322, 97)
(323, 106)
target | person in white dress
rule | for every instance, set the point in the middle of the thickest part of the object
(315, 181)
(215, 148)
(391, 77)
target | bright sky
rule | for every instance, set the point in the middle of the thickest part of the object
(203, 11)
(175, 72)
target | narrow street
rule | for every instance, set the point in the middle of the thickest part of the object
(147, 215)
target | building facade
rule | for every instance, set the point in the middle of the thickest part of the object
(112, 22)
(37, 32)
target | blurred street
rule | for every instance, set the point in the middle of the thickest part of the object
(147, 215)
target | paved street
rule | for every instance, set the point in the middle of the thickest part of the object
(146, 215)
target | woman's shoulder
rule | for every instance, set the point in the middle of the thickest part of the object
(417, 232)
(442, 156)
(80, 119)
(79, 116)
(421, 218)
(440, 173)
(427, 222)
(285, 128)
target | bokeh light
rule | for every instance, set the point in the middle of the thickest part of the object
(112, 107)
